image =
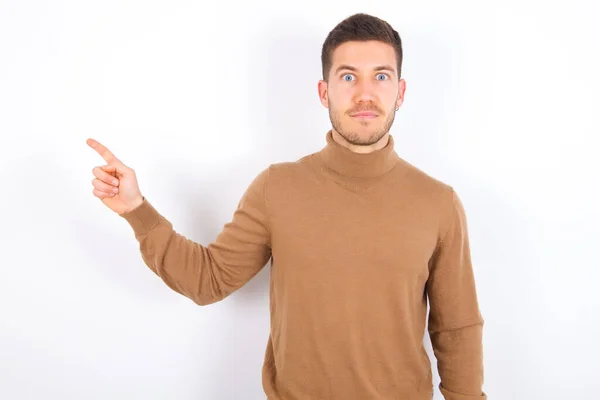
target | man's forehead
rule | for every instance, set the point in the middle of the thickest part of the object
(368, 55)
(350, 48)
(367, 66)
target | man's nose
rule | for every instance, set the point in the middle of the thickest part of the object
(365, 90)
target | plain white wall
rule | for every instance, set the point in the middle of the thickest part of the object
(501, 102)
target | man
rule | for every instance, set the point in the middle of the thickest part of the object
(358, 238)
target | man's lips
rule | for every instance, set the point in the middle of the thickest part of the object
(368, 114)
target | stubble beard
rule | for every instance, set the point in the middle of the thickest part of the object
(353, 137)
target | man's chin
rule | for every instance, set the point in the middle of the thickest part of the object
(360, 137)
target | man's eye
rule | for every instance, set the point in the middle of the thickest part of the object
(381, 76)
(347, 77)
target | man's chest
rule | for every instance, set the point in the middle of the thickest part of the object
(353, 235)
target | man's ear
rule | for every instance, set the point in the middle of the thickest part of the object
(401, 91)
(322, 89)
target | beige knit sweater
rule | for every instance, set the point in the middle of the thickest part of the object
(359, 243)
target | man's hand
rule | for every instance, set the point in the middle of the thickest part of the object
(115, 183)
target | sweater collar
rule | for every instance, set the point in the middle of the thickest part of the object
(357, 165)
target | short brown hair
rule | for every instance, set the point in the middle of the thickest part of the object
(360, 27)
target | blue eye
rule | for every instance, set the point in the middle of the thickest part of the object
(346, 75)
(384, 76)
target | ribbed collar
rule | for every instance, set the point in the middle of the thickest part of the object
(357, 165)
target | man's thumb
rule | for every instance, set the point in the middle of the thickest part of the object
(115, 167)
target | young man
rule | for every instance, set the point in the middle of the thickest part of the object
(359, 240)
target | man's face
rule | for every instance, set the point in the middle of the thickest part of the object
(363, 91)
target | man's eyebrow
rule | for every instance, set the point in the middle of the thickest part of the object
(385, 68)
(343, 67)
(351, 68)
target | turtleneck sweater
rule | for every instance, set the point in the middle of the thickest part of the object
(361, 245)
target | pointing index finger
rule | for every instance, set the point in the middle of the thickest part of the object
(102, 150)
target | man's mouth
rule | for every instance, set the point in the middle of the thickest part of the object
(364, 114)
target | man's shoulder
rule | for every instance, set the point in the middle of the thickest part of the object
(434, 193)
(291, 168)
(426, 181)
(417, 178)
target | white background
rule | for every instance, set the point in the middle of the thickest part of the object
(501, 102)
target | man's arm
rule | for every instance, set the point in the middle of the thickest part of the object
(207, 274)
(455, 322)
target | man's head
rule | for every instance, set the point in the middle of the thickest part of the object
(361, 86)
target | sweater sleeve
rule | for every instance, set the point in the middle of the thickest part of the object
(455, 323)
(207, 274)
